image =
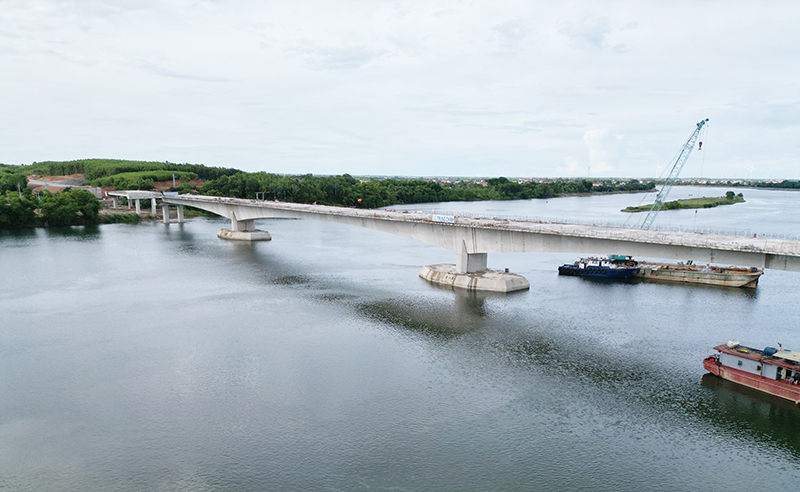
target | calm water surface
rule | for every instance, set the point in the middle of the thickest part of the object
(157, 357)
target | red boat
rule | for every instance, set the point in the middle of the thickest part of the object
(772, 371)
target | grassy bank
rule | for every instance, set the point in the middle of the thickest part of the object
(707, 202)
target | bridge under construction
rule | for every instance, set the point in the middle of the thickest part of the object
(472, 239)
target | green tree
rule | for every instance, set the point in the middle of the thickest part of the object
(70, 207)
(18, 211)
(11, 181)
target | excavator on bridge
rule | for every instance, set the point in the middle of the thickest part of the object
(683, 156)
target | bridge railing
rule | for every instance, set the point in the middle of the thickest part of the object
(603, 223)
(428, 215)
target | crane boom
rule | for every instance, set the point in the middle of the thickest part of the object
(673, 174)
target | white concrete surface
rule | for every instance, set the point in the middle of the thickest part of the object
(254, 235)
(486, 280)
(471, 235)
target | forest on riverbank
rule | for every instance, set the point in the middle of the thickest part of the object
(21, 208)
(71, 207)
(347, 191)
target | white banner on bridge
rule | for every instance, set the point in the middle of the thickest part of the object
(443, 218)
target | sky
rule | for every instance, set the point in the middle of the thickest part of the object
(421, 88)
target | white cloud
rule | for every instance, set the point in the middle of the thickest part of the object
(605, 150)
(401, 87)
(572, 167)
(590, 31)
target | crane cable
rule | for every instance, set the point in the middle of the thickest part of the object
(704, 136)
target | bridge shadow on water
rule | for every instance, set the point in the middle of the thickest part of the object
(608, 377)
(517, 338)
(465, 312)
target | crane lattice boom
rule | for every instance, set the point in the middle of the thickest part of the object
(673, 174)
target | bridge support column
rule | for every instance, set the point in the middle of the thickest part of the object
(243, 230)
(115, 202)
(180, 214)
(242, 225)
(471, 262)
(165, 212)
(153, 209)
(138, 206)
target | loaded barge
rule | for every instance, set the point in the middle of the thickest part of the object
(771, 370)
(698, 274)
(619, 266)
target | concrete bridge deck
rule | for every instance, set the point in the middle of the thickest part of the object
(472, 238)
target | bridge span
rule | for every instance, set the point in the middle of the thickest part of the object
(473, 238)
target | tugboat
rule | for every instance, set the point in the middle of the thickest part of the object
(773, 371)
(611, 266)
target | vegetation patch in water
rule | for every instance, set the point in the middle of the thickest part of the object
(729, 199)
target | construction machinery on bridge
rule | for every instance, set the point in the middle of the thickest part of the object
(683, 156)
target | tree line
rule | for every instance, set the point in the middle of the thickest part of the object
(348, 191)
(141, 180)
(99, 168)
(22, 209)
(70, 207)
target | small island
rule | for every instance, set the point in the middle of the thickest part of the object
(706, 202)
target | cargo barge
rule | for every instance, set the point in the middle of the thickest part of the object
(697, 274)
(773, 371)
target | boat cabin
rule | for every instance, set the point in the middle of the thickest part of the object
(779, 365)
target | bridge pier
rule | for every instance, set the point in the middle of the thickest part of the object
(152, 206)
(115, 202)
(470, 273)
(138, 206)
(165, 212)
(243, 230)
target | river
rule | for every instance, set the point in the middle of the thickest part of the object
(154, 357)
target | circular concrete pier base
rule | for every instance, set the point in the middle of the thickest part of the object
(491, 280)
(244, 235)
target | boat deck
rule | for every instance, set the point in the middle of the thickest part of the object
(758, 355)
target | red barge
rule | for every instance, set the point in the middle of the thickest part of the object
(772, 371)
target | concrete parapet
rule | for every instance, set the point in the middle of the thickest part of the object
(489, 280)
(254, 235)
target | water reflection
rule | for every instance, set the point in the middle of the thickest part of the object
(747, 293)
(79, 233)
(739, 408)
(466, 312)
(744, 292)
(177, 231)
(641, 381)
(13, 234)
